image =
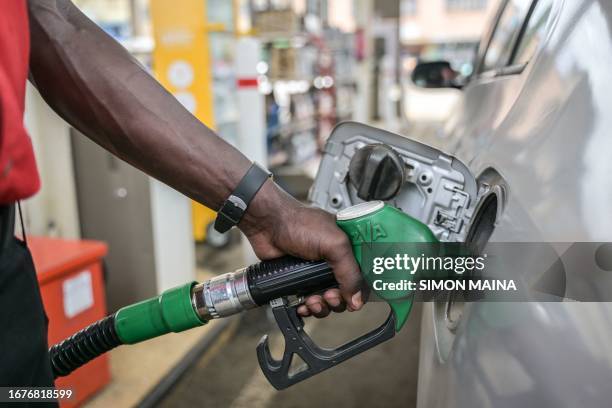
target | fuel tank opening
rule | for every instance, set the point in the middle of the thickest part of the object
(484, 223)
(449, 311)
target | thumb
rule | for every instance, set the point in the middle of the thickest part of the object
(346, 270)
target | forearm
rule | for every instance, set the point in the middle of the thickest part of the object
(95, 85)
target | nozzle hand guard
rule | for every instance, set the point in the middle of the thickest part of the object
(316, 358)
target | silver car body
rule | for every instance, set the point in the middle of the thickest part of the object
(546, 133)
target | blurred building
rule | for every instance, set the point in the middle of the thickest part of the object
(444, 29)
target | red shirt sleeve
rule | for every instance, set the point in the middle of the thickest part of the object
(18, 174)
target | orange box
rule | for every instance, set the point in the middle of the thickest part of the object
(72, 286)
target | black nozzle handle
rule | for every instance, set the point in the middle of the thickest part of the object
(287, 276)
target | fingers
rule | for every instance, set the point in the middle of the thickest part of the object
(340, 257)
(317, 307)
(320, 306)
(303, 311)
(334, 300)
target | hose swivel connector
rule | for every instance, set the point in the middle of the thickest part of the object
(222, 296)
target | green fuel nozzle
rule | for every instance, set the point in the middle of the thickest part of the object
(372, 223)
(278, 282)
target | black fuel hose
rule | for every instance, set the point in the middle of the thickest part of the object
(85, 345)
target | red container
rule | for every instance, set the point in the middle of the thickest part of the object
(72, 286)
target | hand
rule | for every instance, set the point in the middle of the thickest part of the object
(276, 224)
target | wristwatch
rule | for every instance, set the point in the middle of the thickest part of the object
(235, 206)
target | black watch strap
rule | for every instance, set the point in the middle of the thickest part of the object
(235, 206)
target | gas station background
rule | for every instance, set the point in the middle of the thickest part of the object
(272, 78)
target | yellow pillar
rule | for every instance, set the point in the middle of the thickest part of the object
(182, 64)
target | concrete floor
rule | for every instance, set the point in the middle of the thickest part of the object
(227, 375)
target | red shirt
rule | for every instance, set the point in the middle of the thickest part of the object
(18, 174)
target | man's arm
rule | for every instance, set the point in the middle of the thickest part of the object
(99, 88)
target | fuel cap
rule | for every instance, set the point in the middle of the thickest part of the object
(377, 172)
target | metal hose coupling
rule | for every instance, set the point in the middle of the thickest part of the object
(222, 296)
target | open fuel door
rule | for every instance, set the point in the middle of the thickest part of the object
(362, 163)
